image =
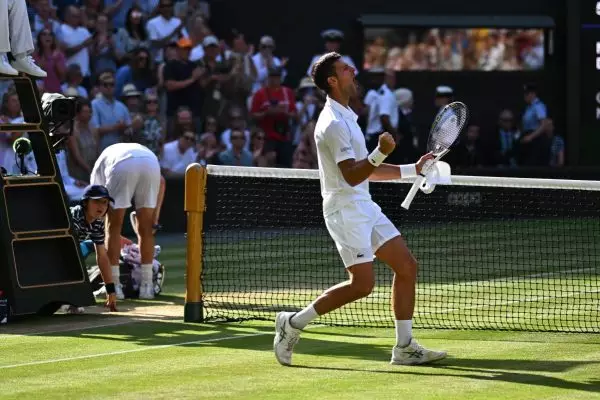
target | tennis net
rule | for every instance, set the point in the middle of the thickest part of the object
(494, 253)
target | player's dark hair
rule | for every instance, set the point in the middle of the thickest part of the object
(323, 69)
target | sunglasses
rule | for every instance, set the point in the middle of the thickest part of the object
(237, 138)
(151, 101)
(261, 137)
(108, 84)
(189, 138)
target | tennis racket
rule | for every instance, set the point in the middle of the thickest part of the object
(445, 129)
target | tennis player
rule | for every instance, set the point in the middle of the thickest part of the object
(130, 171)
(354, 221)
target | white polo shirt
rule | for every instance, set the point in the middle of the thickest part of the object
(382, 103)
(338, 138)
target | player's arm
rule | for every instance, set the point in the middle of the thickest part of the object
(353, 171)
(105, 271)
(386, 172)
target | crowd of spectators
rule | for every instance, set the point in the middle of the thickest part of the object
(153, 72)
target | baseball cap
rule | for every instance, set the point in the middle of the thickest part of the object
(96, 192)
(184, 43)
(210, 41)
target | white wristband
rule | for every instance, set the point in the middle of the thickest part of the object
(408, 170)
(376, 157)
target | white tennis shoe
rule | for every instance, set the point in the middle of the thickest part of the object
(286, 337)
(146, 291)
(415, 354)
(119, 291)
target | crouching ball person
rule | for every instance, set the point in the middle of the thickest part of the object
(130, 171)
(88, 221)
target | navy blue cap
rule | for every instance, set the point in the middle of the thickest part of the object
(96, 192)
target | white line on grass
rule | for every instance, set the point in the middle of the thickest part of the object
(114, 353)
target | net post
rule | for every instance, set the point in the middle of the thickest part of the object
(195, 184)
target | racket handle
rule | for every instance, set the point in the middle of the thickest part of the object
(412, 192)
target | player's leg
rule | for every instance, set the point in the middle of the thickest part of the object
(351, 230)
(391, 249)
(145, 197)
(159, 202)
(120, 184)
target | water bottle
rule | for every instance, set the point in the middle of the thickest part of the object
(3, 308)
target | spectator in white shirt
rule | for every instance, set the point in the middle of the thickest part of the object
(164, 29)
(333, 42)
(178, 154)
(236, 122)
(76, 41)
(383, 109)
(264, 60)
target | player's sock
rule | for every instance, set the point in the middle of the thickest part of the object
(403, 332)
(303, 318)
(116, 274)
(147, 272)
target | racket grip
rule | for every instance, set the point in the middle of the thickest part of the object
(412, 192)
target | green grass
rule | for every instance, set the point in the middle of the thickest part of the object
(152, 354)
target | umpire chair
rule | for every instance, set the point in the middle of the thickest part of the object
(41, 267)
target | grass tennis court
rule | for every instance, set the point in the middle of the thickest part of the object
(148, 352)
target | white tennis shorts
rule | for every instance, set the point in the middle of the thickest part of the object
(136, 178)
(359, 229)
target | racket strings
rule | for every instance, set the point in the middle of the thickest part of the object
(447, 127)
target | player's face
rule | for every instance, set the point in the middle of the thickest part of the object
(346, 76)
(97, 208)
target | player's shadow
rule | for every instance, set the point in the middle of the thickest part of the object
(483, 373)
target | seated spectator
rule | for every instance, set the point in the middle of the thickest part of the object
(208, 149)
(51, 59)
(305, 156)
(262, 157)
(138, 71)
(183, 122)
(73, 187)
(210, 125)
(133, 36)
(236, 122)
(506, 147)
(103, 55)
(73, 79)
(469, 152)
(178, 154)
(152, 133)
(109, 116)
(82, 145)
(44, 19)
(132, 98)
(237, 155)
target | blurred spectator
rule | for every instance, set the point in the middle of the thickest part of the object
(10, 112)
(272, 107)
(82, 145)
(109, 116)
(76, 41)
(152, 134)
(333, 42)
(73, 79)
(243, 72)
(533, 53)
(198, 31)
(138, 71)
(73, 187)
(262, 157)
(208, 149)
(535, 145)
(103, 57)
(216, 74)
(265, 60)
(51, 59)
(181, 79)
(407, 132)
(236, 123)
(508, 139)
(44, 18)
(309, 105)
(183, 122)
(557, 146)
(117, 9)
(383, 109)
(444, 95)
(178, 154)
(188, 10)
(164, 28)
(132, 98)
(305, 155)
(237, 155)
(132, 36)
(210, 125)
(470, 151)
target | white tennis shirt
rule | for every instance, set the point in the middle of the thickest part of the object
(338, 138)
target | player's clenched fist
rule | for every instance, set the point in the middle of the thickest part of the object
(386, 143)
